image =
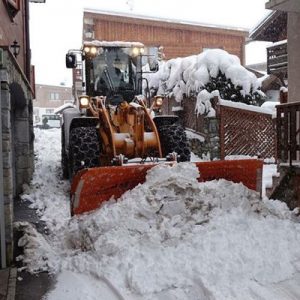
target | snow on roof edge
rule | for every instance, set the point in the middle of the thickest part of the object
(113, 44)
(167, 20)
(277, 43)
(261, 23)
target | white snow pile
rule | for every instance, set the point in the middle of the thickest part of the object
(169, 238)
(189, 75)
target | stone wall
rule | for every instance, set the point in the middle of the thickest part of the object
(17, 138)
(204, 137)
(209, 146)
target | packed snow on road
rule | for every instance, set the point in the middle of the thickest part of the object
(169, 238)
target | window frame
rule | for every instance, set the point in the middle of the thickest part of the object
(54, 96)
(13, 7)
(14, 3)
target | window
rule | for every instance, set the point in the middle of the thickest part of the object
(54, 96)
(150, 54)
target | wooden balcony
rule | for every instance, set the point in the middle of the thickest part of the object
(288, 133)
(277, 59)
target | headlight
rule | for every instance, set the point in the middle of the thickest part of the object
(93, 50)
(86, 49)
(158, 101)
(142, 50)
(84, 101)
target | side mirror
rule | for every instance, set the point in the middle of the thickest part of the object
(71, 61)
(153, 66)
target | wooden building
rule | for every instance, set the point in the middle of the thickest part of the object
(282, 27)
(274, 29)
(178, 39)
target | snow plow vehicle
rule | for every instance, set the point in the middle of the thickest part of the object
(112, 137)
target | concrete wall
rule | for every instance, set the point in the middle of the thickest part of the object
(17, 139)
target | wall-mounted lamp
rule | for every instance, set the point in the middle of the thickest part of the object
(88, 34)
(15, 47)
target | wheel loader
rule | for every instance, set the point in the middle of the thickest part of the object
(114, 134)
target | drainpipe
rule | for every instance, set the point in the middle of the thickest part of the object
(2, 214)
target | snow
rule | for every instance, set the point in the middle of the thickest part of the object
(124, 44)
(265, 108)
(191, 134)
(270, 106)
(189, 75)
(166, 19)
(61, 108)
(169, 238)
(282, 42)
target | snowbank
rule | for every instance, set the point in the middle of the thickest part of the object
(169, 238)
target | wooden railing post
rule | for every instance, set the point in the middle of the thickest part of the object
(288, 132)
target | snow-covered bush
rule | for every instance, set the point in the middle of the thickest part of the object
(212, 72)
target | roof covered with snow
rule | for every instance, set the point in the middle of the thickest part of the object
(170, 21)
(123, 44)
(271, 29)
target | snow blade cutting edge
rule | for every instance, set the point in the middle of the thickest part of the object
(91, 187)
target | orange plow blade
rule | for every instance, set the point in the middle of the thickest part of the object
(91, 187)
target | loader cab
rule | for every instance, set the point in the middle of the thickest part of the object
(113, 72)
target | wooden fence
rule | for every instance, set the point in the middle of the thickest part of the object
(246, 132)
(241, 131)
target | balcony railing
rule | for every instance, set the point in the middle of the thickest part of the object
(288, 133)
(277, 59)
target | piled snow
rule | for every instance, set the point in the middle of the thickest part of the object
(271, 107)
(189, 75)
(265, 108)
(169, 238)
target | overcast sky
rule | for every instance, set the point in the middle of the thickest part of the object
(56, 26)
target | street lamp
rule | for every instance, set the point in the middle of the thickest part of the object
(15, 48)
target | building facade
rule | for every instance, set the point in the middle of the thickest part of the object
(177, 39)
(16, 94)
(274, 29)
(292, 8)
(47, 99)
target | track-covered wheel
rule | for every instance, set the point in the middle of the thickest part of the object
(84, 149)
(173, 139)
(64, 158)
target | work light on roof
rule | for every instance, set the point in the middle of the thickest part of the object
(90, 50)
(137, 51)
